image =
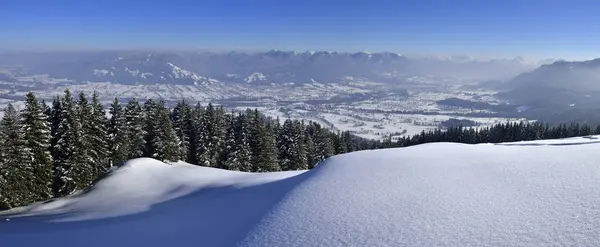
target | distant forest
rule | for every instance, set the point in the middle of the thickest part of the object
(54, 151)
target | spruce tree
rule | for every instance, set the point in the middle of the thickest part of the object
(135, 132)
(292, 149)
(211, 135)
(162, 142)
(243, 155)
(181, 118)
(17, 172)
(150, 127)
(268, 147)
(71, 170)
(97, 137)
(229, 152)
(323, 144)
(37, 141)
(117, 134)
(312, 157)
(194, 129)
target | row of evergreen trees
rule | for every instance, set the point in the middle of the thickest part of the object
(503, 132)
(53, 151)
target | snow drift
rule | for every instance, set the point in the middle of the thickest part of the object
(542, 193)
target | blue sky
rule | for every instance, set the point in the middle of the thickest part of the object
(530, 28)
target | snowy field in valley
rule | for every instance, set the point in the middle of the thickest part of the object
(539, 193)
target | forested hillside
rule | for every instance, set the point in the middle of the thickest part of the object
(54, 151)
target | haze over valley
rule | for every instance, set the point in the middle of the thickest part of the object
(374, 95)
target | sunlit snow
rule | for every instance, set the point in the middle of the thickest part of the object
(540, 193)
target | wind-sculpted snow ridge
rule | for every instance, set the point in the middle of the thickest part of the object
(440, 194)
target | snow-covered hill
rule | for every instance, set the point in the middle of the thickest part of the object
(540, 193)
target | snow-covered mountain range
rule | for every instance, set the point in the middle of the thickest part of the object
(278, 67)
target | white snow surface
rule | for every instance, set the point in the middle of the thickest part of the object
(540, 193)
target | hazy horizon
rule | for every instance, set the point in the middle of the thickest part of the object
(535, 30)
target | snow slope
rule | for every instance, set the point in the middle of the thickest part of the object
(541, 193)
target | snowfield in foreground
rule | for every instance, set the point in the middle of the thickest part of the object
(541, 193)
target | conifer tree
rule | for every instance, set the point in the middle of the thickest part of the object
(181, 118)
(323, 144)
(292, 149)
(312, 156)
(71, 171)
(254, 134)
(229, 153)
(194, 129)
(211, 136)
(37, 141)
(47, 110)
(117, 134)
(150, 127)
(243, 155)
(96, 137)
(162, 142)
(135, 132)
(17, 172)
(268, 147)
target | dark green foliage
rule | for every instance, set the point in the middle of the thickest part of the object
(211, 136)
(135, 132)
(71, 170)
(118, 139)
(96, 136)
(161, 140)
(292, 146)
(68, 146)
(17, 171)
(37, 142)
(238, 153)
(182, 117)
(268, 156)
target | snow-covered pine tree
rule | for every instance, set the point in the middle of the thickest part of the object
(254, 136)
(181, 117)
(134, 122)
(17, 171)
(262, 142)
(229, 152)
(242, 143)
(347, 140)
(211, 136)
(54, 119)
(269, 162)
(150, 127)
(292, 149)
(37, 141)
(85, 115)
(45, 109)
(323, 143)
(194, 131)
(338, 143)
(117, 134)
(96, 137)
(71, 171)
(162, 141)
(311, 152)
(219, 134)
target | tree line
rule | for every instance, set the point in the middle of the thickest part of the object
(58, 149)
(53, 151)
(501, 132)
